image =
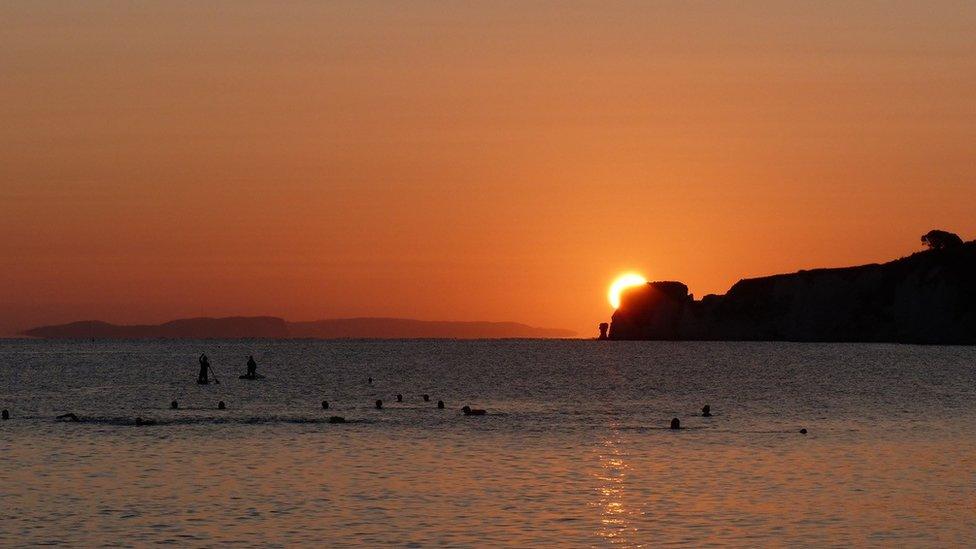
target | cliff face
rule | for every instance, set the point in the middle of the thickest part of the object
(929, 297)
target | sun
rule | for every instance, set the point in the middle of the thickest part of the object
(623, 282)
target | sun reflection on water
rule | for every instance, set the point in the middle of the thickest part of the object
(615, 524)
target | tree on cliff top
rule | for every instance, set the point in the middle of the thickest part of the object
(941, 240)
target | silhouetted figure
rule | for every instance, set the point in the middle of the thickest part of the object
(706, 411)
(252, 367)
(399, 397)
(204, 366)
(5, 414)
(603, 330)
(370, 381)
(325, 404)
(675, 424)
(337, 419)
(221, 405)
(67, 417)
(469, 411)
(803, 431)
(174, 405)
(426, 398)
(379, 404)
(142, 422)
(440, 404)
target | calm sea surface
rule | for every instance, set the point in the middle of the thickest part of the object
(574, 450)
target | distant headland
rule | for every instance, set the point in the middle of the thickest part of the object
(928, 297)
(277, 328)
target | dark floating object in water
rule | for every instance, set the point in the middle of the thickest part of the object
(337, 419)
(221, 405)
(5, 414)
(706, 411)
(174, 405)
(325, 404)
(469, 411)
(379, 404)
(426, 398)
(370, 381)
(803, 431)
(675, 424)
(248, 376)
(440, 404)
(67, 417)
(142, 422)
(399, 397)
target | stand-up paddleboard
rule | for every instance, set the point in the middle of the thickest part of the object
(255, 376)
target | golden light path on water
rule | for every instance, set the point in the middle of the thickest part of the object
(615, 524)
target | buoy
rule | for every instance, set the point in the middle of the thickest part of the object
(803, 431)
(221, 405)
(325, 404)
(426, 398)
(440, 404)
(675, 424)
(379, 404)
(174, 405)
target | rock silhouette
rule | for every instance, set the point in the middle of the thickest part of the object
(928, 297)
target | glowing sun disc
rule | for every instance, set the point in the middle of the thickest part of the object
(623, 282)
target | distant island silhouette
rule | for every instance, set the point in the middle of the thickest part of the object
(928, 297)
(278, 328)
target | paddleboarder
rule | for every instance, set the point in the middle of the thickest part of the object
(204, 366)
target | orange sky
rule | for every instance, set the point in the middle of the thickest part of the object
(462, 160)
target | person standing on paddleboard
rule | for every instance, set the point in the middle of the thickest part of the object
(204, 366)
(252, 367)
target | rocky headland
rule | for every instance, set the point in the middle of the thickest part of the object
(928, 297)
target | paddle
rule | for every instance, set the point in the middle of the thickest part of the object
(217, 381)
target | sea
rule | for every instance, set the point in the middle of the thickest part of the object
(574, 450)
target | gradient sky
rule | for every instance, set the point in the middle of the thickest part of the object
(463, 160)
